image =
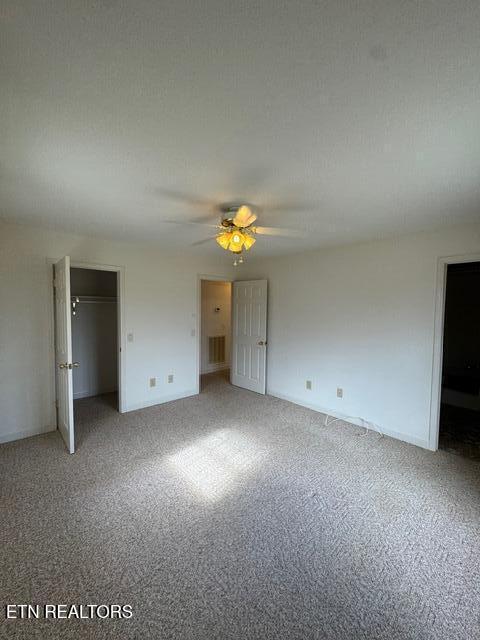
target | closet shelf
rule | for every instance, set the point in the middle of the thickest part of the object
(93, 299)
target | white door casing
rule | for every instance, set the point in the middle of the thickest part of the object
(63, 353)
(249, 335)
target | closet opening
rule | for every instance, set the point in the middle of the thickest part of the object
(94, 311)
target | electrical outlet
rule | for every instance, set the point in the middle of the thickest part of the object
(170, 378)
(153, 382)
(308, 384)
(339, 392)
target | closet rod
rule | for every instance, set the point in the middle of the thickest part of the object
(93, 300)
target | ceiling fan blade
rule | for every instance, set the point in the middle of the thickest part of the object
(191, 222)
(203, 241)
(244, 217)
(184, 196)
(280, 232)
(289, 206)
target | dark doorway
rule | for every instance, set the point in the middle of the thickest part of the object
(460, 408)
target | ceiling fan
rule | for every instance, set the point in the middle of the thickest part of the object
(236, 231)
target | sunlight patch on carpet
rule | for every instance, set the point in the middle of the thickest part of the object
(214, 464)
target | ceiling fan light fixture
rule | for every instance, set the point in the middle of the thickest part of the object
(237, 241)
(224, 239)
(248, 242)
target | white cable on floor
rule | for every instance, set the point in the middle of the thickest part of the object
(368, 426)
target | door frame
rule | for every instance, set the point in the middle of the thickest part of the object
(121, 360)
(198, 329)
(438, 336)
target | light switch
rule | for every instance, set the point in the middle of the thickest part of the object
(130, 337)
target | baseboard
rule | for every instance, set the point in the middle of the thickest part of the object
(91, 394)
(25, 433)
(404, 437)
(222, 367)
(151, 403)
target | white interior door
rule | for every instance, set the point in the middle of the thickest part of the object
(63, 352)
(249, 335)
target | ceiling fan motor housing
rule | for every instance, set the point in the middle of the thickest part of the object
(229, 211)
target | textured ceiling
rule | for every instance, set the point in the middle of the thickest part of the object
(352, 119)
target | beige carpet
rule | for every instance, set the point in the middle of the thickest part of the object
(230, 515)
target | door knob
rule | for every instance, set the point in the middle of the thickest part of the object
(262, 343)
(68, 365)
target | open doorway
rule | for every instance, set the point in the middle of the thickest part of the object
(94, 302)
(459, 430)
(215, 332)
(88, 312)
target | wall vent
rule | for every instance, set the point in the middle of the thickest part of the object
(216, 349)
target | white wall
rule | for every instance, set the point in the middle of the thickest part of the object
(360, 317)
(215, 323)
(160, 306)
